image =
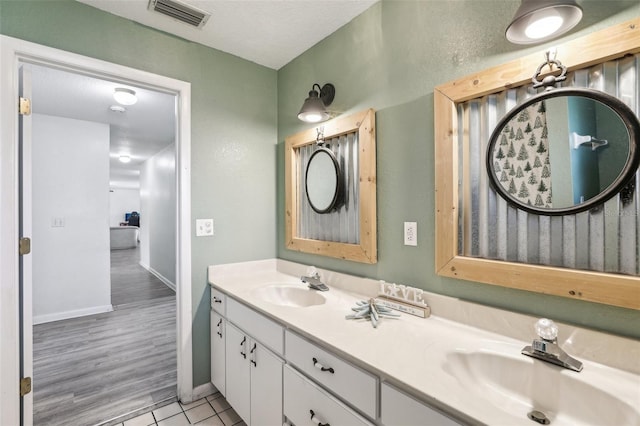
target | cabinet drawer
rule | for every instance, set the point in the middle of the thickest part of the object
(347, 381)
(301, 397)
(400, 409)
(264, 330)
(218, 301)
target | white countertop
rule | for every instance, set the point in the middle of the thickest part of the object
(411, 352)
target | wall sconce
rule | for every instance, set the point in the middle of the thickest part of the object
(536, 21)
(125, 96)
(314, 108)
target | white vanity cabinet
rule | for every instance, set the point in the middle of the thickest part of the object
(306, 404)
(400, 409)
(352, 384)
(265, 330)
(270, 373)
(218, 323)
(254, 379)
(218, 301)
(218, 366)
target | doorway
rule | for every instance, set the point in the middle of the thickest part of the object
(16, 311)
(104, 341)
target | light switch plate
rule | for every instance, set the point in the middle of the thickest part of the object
(204, 227)
(410, 233)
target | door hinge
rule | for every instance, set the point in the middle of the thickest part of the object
(25, 386)
(24, 106)
(24, 246)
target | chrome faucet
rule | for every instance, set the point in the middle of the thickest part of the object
(546, 347)
(313, 279)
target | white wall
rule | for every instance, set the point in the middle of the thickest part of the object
(158, 215)
(122, 201)
(71, 260)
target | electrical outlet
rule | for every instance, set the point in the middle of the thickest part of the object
(410, 233)
(204, 227)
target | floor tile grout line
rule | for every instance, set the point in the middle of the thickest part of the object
(206, 401)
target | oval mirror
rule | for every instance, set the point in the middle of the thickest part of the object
(564, 151)
(323, 181)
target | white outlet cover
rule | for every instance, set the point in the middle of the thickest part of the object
(204, 227)
(410, 233)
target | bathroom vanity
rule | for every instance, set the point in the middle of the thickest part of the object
(284, 353)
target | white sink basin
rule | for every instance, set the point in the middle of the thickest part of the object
(516, 384)
(289, 295)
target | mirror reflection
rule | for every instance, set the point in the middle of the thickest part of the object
(555, 154)
(323, 181)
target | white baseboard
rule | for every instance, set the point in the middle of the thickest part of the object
(162, 278)
(203, 390)
(41, 319)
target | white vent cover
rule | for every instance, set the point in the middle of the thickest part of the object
(181, 11)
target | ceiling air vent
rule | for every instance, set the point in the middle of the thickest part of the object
(181, 11)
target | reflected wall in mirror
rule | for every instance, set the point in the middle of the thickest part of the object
(593, 255)
(564, 151)
(330, 192)
(323, 181)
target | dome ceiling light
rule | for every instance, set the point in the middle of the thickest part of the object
(125, 96)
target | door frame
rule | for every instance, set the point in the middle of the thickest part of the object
(13, 52)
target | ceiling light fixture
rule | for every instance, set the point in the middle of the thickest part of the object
(124, 158)
(125, 96)
(117, 108)
(536, 21)
(314, 108)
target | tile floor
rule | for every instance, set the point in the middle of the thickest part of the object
(212, 410)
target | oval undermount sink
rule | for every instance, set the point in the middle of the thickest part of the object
(289, 295)
(518, 385)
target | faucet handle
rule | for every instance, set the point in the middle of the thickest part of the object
(546, 329)
(312, 272)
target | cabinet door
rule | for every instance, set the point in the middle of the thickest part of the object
(306, 404)
(238, 373)
(266, 386)
(218, 352)
(399, 409)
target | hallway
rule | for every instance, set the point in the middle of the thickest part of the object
(91, 369)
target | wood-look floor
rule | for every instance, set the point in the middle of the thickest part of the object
(91, 369)
(132, 283)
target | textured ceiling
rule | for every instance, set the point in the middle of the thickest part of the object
(142, 131)
(268, 32)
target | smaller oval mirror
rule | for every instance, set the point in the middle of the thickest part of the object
(323, 181)
(564, 151)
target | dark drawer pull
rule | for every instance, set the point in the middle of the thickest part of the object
(319, 366)
(316, 420)
(216, 300)
(244, 355)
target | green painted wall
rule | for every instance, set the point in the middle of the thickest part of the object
(233, 117)
(390, 58)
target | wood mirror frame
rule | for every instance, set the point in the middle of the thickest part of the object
(362, 123)
(599, 287)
